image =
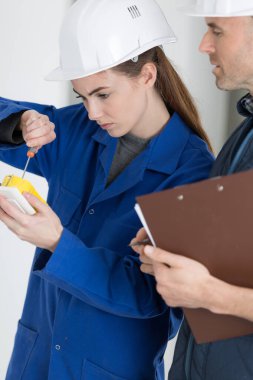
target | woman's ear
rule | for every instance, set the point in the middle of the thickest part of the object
(148, 74)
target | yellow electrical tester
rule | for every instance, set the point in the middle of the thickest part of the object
(22, 185)
(13, 187)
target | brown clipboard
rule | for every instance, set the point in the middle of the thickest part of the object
(210, 221)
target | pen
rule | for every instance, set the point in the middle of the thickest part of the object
(140, 242)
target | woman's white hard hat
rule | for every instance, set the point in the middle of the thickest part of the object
(99, 34)
(219, 8)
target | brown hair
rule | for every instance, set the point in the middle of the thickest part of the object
(170, 86)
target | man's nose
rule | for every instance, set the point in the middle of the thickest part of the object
(206, 45)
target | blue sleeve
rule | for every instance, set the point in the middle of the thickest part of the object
(46, 159)
(16, 155)
(101, 277)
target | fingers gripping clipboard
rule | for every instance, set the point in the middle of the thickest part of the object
(212, 222)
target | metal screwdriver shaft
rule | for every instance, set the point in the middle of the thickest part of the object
(30, 154)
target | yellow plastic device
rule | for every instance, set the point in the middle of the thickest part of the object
(22, 185)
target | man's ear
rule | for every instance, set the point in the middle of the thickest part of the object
(148, 74)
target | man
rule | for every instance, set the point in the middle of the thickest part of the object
(187, 283)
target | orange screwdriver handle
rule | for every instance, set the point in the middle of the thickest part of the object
(31, 152)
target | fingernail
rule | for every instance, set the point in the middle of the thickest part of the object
(27, 195)
(148, 249)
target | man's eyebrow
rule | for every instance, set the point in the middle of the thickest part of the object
(92, 92)
(213, 25)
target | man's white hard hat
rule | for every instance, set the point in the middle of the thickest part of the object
(99, 34)
(219, 8)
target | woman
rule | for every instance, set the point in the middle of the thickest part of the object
(89, 312)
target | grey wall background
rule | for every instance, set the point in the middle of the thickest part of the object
(28, 41)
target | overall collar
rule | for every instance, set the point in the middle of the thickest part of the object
(164, 149)
(162, 155)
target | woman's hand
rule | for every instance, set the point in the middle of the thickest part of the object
(43, 229)
(37, 129)
(147, 263)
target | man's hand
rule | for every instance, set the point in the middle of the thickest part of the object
(43, 229)
(180, 281)
(37, 129)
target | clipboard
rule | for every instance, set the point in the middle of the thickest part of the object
(212, 222)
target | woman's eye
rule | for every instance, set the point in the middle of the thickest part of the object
(80, 97)
(103, 96)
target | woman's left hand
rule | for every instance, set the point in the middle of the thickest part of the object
(147, 263)
(43, 229)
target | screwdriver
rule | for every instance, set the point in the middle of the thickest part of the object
(30, 154)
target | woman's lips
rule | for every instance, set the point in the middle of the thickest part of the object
(106, 126)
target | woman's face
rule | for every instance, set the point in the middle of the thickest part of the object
(117, 103)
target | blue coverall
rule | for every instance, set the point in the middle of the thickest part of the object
(90, 313)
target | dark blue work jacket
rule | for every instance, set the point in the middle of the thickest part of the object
(229, 359)
(90, 313)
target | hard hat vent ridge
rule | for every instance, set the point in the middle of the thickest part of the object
(134, 11)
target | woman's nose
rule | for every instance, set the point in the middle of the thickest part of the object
(94, 111)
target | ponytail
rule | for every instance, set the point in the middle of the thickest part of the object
(170, 86)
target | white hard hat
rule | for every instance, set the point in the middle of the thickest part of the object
(219, 8)
(99, 34)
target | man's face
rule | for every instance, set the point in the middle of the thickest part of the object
(229, 44)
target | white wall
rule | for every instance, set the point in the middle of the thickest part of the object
(28, 36)
(28, 44)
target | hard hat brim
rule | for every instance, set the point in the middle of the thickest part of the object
(191, 11)
(60, 74)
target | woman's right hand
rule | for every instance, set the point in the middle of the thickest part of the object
(37, 129)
